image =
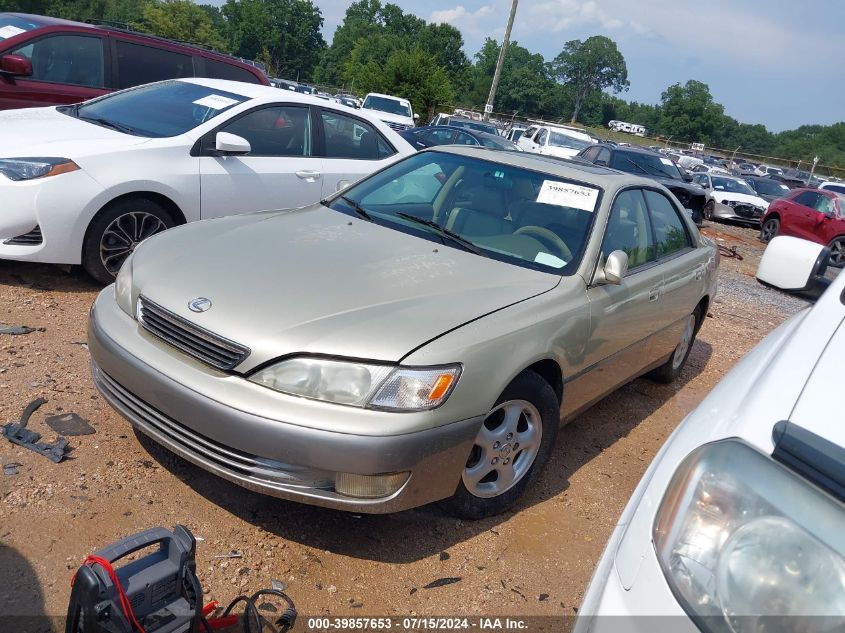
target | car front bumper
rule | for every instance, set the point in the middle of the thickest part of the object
(269, 455)
(57, 207)
(746, 213)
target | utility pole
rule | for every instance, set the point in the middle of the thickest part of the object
(810, 177)
(499, 63)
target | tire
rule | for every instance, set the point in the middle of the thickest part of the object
(671, 369)
(115, 232)
(837, 252)
(769, 230)
(499, 469)
(708, 210)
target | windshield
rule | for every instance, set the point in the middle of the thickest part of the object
(522, 217)
(472, 125)
(732, 186)
(386, 104)
(564, 140)
(496, 142)
(515, 134)
(770, 187)
(650, 164)
(168, 108)
(11, 25)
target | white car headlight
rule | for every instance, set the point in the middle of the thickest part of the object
(748, 546)
(361, 384)
(123, 286)
(31, 168)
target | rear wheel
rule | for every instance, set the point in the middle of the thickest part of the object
(837, 252)
(769, 230)
(511, 448)
(671, 369)
(115, 232)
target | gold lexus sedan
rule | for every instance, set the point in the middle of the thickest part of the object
(416, 337)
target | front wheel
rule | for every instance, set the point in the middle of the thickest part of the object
(708, 210)
(769, 230)
(511, 448)
(116, 231)
(837, 252)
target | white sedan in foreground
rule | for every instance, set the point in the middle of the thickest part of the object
(84, 184)
(738, 526)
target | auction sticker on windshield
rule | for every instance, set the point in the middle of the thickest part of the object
(10, 31)
(564, 194)
(666, 161)
(215, 102)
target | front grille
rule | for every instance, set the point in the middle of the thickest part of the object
(205, 346)
(199, 447)
(33, 238)
(748, 211)
(399, 127)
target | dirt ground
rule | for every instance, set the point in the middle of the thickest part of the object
(536, 560)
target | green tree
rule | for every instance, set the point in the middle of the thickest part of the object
(182, 20)
(592, 65)
(418, 76)
(284, 34)
(689, 113)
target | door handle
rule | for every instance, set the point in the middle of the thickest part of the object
(654, 293)
(699, 273)
(309, 175)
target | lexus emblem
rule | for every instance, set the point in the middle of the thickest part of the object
(200, 304)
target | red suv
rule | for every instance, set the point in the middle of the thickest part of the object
(47, 61)
(817, 215)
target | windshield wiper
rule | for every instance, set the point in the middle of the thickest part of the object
(109, 124)
(650, 172)
(360, 211)
(441, 230)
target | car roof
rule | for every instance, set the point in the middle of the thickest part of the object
(252, 91)
(199, 49)
(381, 94)
(560, 167)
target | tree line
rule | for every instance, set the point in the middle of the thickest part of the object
(380, 48)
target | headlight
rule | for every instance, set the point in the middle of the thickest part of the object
(123, 286)
(361, 384)
(748, 546)
(31, 168)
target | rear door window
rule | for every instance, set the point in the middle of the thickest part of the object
(350, 137)
(75, 60)
(138, 64)
(221, 70)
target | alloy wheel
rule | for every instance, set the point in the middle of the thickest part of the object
(837, 252)
(504, 450)
(769, 230)
(123, 234)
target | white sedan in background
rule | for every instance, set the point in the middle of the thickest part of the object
(84, 184)
(737, 525)
(554, 141)
(730, 198)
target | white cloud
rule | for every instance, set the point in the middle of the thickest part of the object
(469, 22)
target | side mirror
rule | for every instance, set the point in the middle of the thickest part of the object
(686, 177)
(601, 163)
(416, 117)
(793, 264)
(342, 184)
(226, 144)
(16, 66)
(614, 269)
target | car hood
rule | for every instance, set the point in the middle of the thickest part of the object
(48, 132)
(672, 184)
(317, 281)
(746, 198)
(388, 117)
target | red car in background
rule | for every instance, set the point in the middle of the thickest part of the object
(811, 214)
(47, 61)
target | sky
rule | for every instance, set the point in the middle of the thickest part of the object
(775, 62)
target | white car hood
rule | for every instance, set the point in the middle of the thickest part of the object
(44, 132)
(392, 118)
(739, 197)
